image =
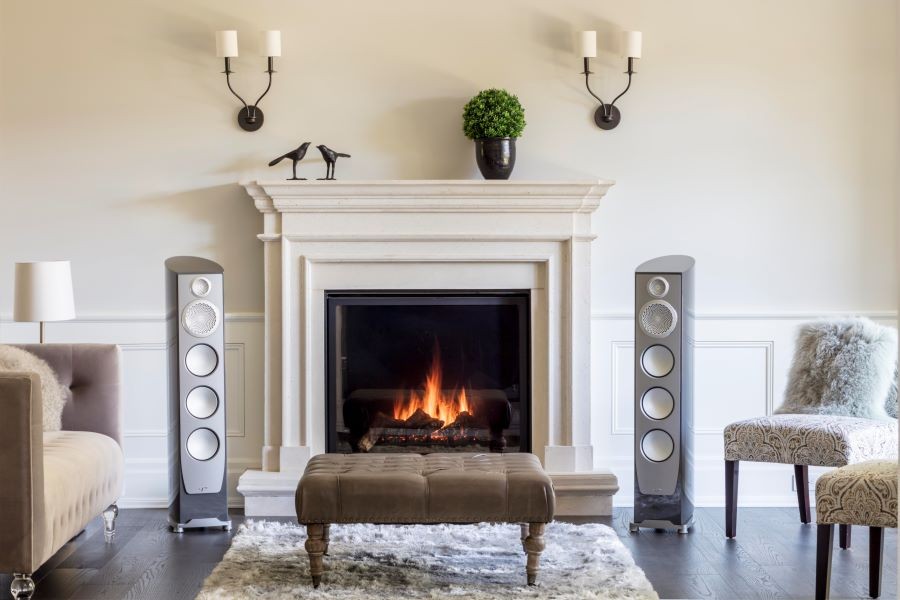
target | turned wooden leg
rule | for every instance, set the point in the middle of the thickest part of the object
(315, 547)
(876, 551)
(844, 536)
(524, 527)
(534, 545)
(731, 494)
(824, 541)
(326, 534)
(801, 477)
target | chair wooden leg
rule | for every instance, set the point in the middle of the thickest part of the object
(801, 477)
(844, 536)
(876, 552)
(731, 494)
(824, 541)
(315, 548)
(534, 545)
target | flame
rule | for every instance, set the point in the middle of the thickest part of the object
(433, 400)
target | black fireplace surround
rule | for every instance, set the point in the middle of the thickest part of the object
(428, 371)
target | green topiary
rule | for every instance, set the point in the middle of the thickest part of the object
(493, 113)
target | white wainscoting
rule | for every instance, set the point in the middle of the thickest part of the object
(143, 342)
(741, 369)
(741, 366)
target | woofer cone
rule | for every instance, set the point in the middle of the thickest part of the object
(201, 360)
(657, 403)
(202, 444)
(202, 402)
(657, 445)
(657, 361)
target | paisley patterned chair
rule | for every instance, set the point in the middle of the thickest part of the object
(860, 494)
(803, 440)
(837, 410)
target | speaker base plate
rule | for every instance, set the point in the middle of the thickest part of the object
(200, 524)
(661, 524)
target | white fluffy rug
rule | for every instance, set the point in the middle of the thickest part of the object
(267, 560)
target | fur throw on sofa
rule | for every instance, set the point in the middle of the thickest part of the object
(843, 367)
(53, 395)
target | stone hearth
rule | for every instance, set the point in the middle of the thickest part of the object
(414, 235)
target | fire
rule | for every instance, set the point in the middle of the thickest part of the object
(434, 400)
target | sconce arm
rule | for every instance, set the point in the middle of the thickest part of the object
(270, 70)
(627, 87)
(228, 82)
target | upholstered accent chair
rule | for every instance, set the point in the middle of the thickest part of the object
(860, 494)
(828, 362)
(55, 482)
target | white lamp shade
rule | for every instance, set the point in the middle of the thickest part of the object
(226, 44)
(44, 291)
(631, 44)
(589, 44)
(270, 43)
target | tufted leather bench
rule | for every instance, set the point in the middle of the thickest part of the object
(431, 488)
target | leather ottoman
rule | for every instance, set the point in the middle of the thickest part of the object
(420, 489)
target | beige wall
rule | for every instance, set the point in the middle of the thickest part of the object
(758, 136)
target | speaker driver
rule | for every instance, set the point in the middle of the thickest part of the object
(657, 361)
(202, 444)
(201, 286)
(200, 318)
(657, 403)
(201, 360)
(657, 445)
(658, 318)
(202, 402)
(658, 287)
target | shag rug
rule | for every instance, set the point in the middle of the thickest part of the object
(267, 560)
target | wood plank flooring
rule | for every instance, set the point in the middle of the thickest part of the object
(772, 557)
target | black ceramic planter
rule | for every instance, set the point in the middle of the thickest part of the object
(496, 157)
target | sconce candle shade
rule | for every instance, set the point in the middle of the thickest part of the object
(270, 43)
(43, 292)
(226, 44)
(631, 41)
(589, 44)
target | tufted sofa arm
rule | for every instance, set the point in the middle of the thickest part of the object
(92, 374)
(21, 473)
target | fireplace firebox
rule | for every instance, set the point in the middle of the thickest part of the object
(428, 371)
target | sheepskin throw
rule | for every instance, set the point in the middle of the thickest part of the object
(53, 394)
(843, 367)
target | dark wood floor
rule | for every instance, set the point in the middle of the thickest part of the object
(773, 557)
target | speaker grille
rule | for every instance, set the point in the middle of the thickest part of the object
(658, 318)
(200, 318)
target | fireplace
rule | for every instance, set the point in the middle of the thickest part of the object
(428, 371)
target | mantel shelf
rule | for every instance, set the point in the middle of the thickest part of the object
(435, 196)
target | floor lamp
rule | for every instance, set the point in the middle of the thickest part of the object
(43, 293)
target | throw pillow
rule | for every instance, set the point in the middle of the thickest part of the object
(53, 395)
(842, 367)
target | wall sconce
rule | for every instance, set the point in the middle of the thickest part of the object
(608, 116)
(250, 118)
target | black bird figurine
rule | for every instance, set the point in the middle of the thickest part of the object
(295, 155)
(330, 157)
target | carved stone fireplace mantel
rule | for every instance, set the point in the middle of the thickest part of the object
(438, 235)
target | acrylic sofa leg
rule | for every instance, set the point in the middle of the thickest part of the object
(22, 587)
(109, 522)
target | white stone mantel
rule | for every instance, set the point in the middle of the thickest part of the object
(448, 234)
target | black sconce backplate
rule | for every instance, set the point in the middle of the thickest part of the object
(250, 118)
(607, 117)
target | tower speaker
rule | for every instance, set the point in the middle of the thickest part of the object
(664, 394)
(198, 491)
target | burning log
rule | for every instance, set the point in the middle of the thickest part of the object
(422, 420)
(465, 420)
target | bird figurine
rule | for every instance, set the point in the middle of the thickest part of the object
(295, 155)
(330, 157)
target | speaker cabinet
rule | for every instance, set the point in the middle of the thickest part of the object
(195, 315)
(664, 394)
